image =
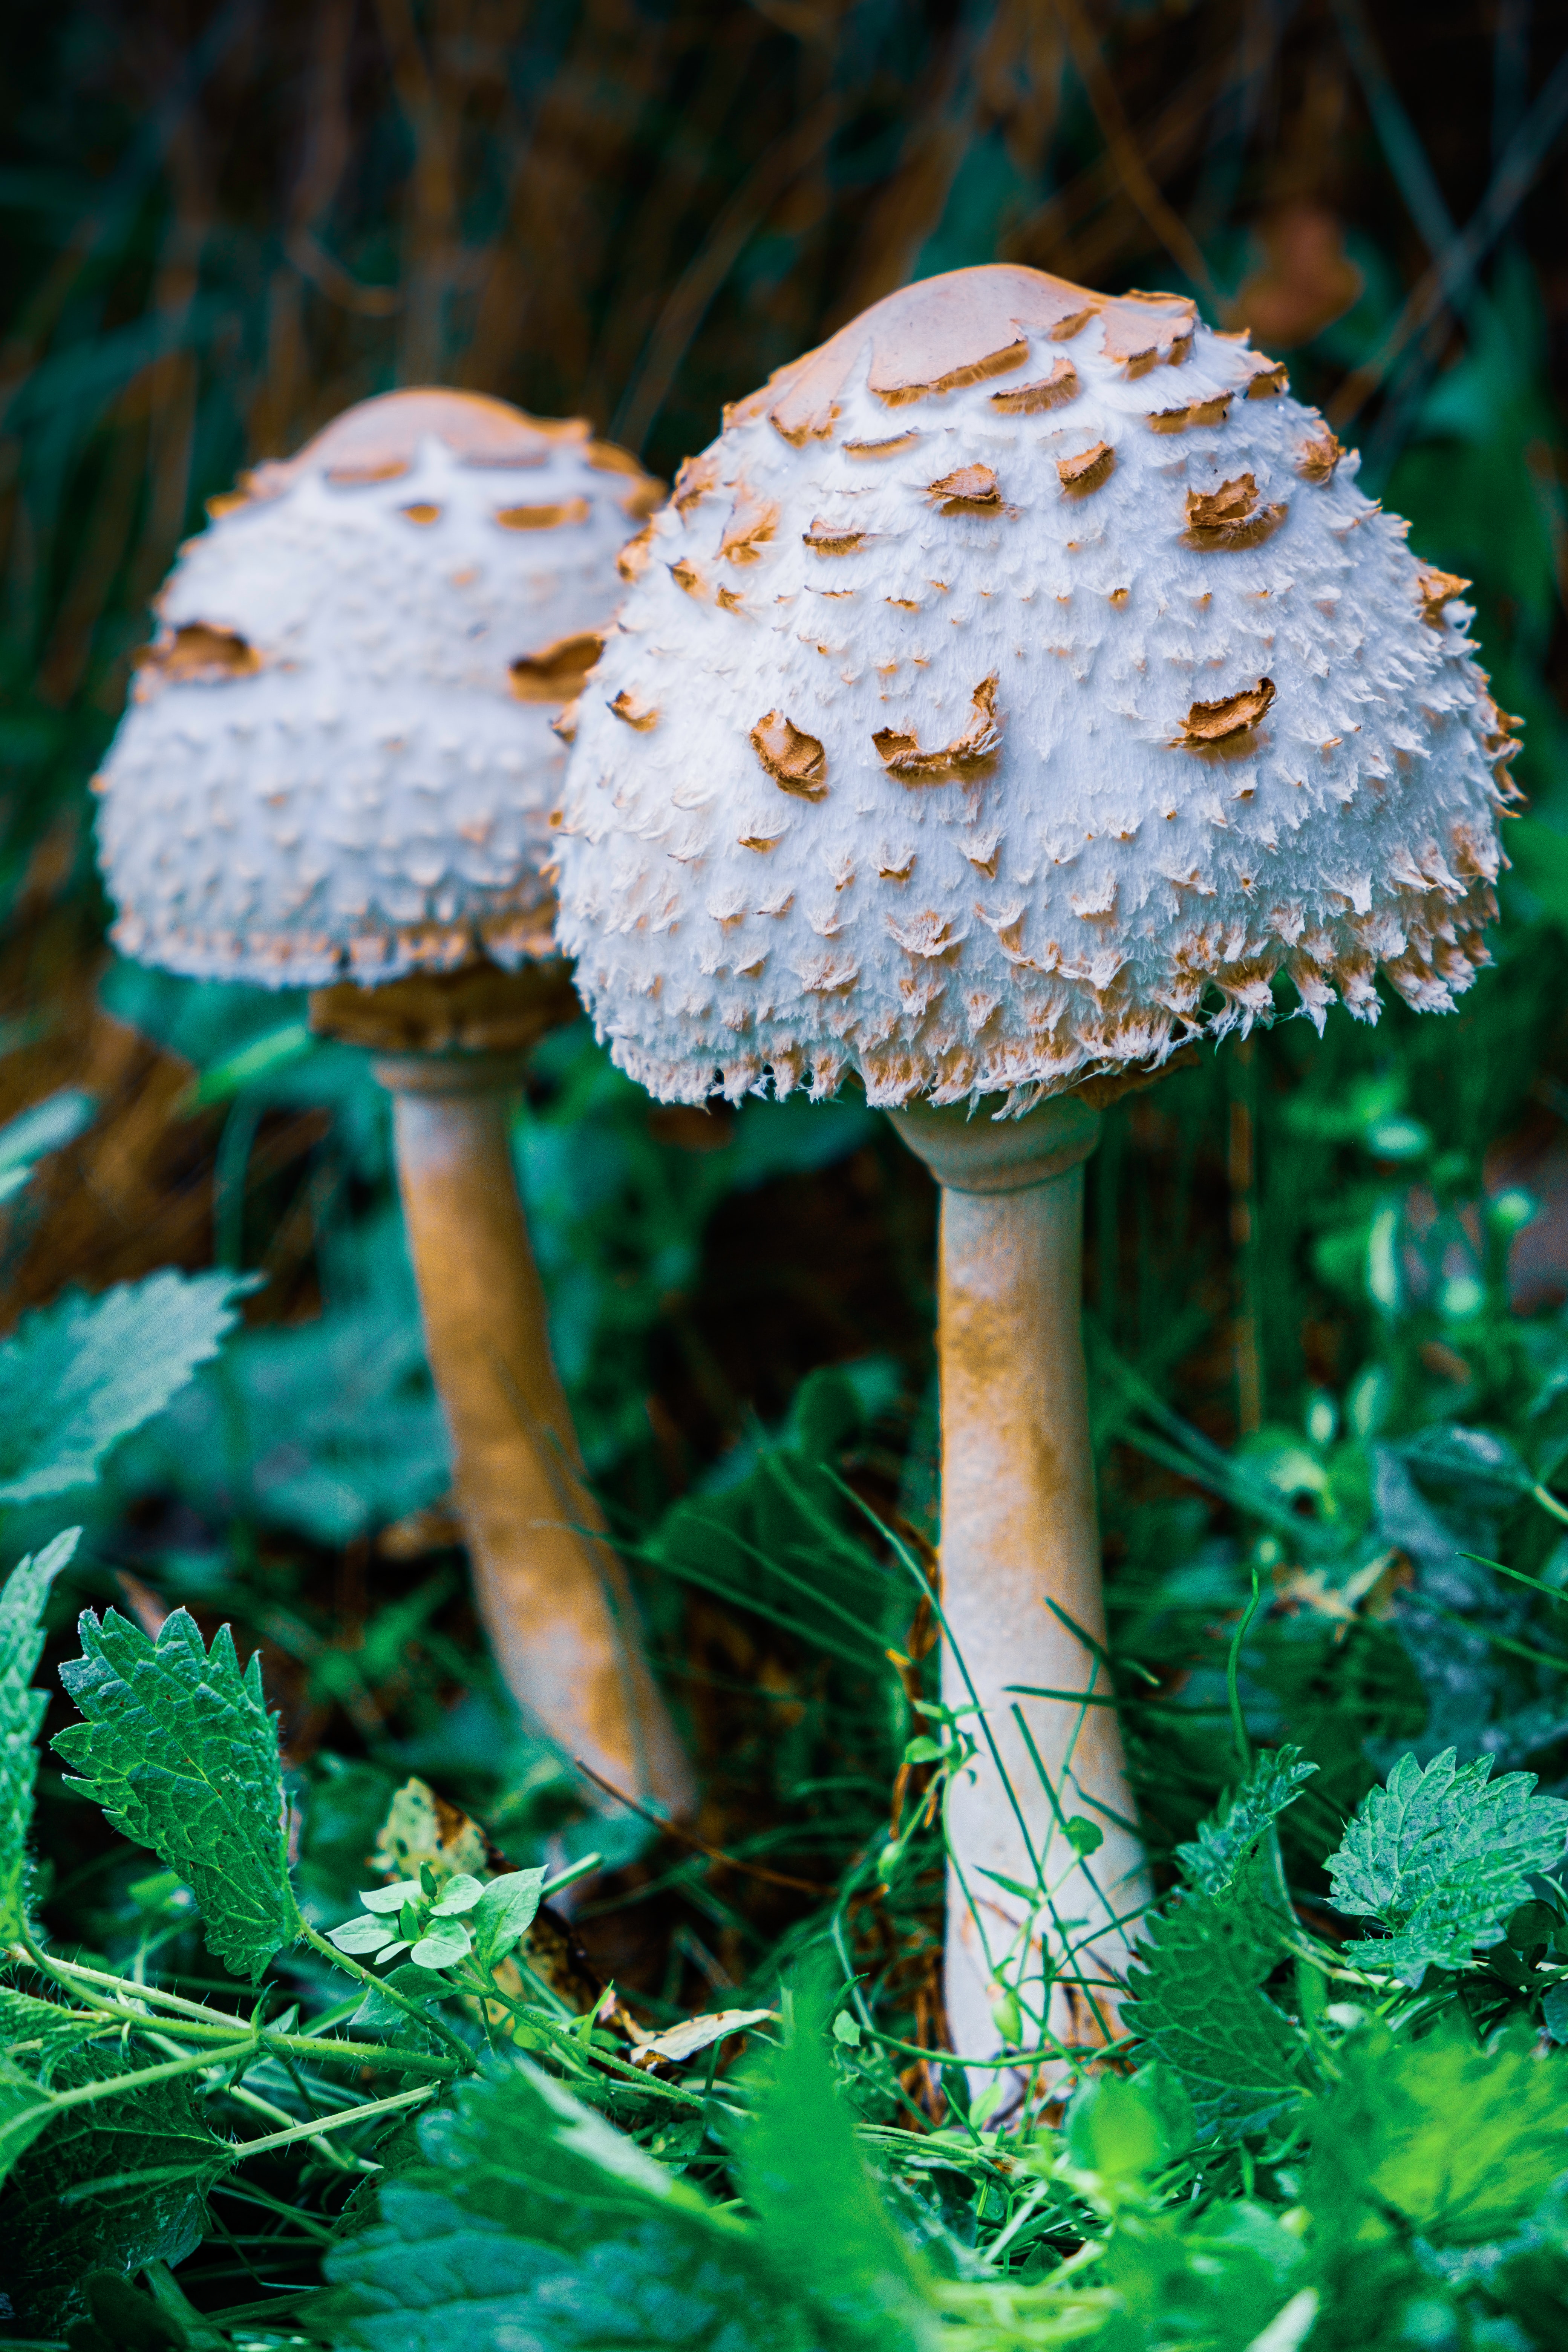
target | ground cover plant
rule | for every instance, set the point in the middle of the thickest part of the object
(334, 2011)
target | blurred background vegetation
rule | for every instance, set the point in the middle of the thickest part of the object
(1326, 1279)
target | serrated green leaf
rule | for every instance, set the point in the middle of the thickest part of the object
(78, 1376)
(25, 2112)
(1439, 1859)
(1461, 2142)
(504, 1914)
(1197, 2001)
(41, 2031)
(531, 2222)
(821, 2220)
(52, 2240)
(179, 1750)
(22, 1710)
(1224, 1841)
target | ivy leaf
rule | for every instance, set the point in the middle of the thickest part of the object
(22, 1710)
(179, 1750)
(79, 1375)
(114, 2184)
(1224, 1843)
(504, 1914)
(1440, 1859)
(1197, 2001)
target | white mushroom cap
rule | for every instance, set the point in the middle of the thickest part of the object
(340, 757)
(1017, 685)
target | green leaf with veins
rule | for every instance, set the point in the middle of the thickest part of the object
(41, 2031)
(504, 1914)
(22, 1710)
(1440, 1859)
(821, 2220)
(179, 1750)
(78, 1376)
(531, 2221)
(1223, 1843)
(1462, 2143)
(155, 2160)
(1196, 1983)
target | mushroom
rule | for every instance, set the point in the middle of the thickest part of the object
(1072, 697)
(337, 771)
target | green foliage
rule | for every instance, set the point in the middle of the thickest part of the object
(48, 1127)
(1440, 1858)
(22, 1711)
(1457, 2142)
(179, 1750)
(76, 1377)
(1197, 2001)
(823, 2225)
(112, 2184)
(1213, 1859)
(529, 2219)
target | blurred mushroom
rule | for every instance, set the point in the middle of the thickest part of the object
(993, 796)
(338, 771)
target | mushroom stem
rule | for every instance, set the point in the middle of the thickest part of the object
(554, 1598)
(1020, 1542)
(553, 1595)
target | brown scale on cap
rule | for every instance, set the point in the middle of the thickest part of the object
(1436, 589)
(945, 332)
(196, 653)
(797, 762)
(751, 524)
(970, 489)
(893, 447)
(1315, 459)
(1085, 472)
(377, 440)
(833, 537)
(1053, 391)
(901, 754)
(636, 556)
(556, 516)
(1230, 517)
(1197, 411)
(557, 672)
(1233, 715)
(636, 712)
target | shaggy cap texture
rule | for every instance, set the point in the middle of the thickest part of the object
(339, 757)
(1016, 687)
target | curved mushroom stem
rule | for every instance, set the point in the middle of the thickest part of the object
(554, 1598)
(1020, 1542)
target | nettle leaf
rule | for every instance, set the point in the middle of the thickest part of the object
(179, 1750)
(530, 2221)
(1197, 1984)
(79, 1375)
(821, 2219)
(1224, 1843)
(1440, 1859)
(22, 1711)
(41, 2032)
(112, 2185)
(1462, 2142)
